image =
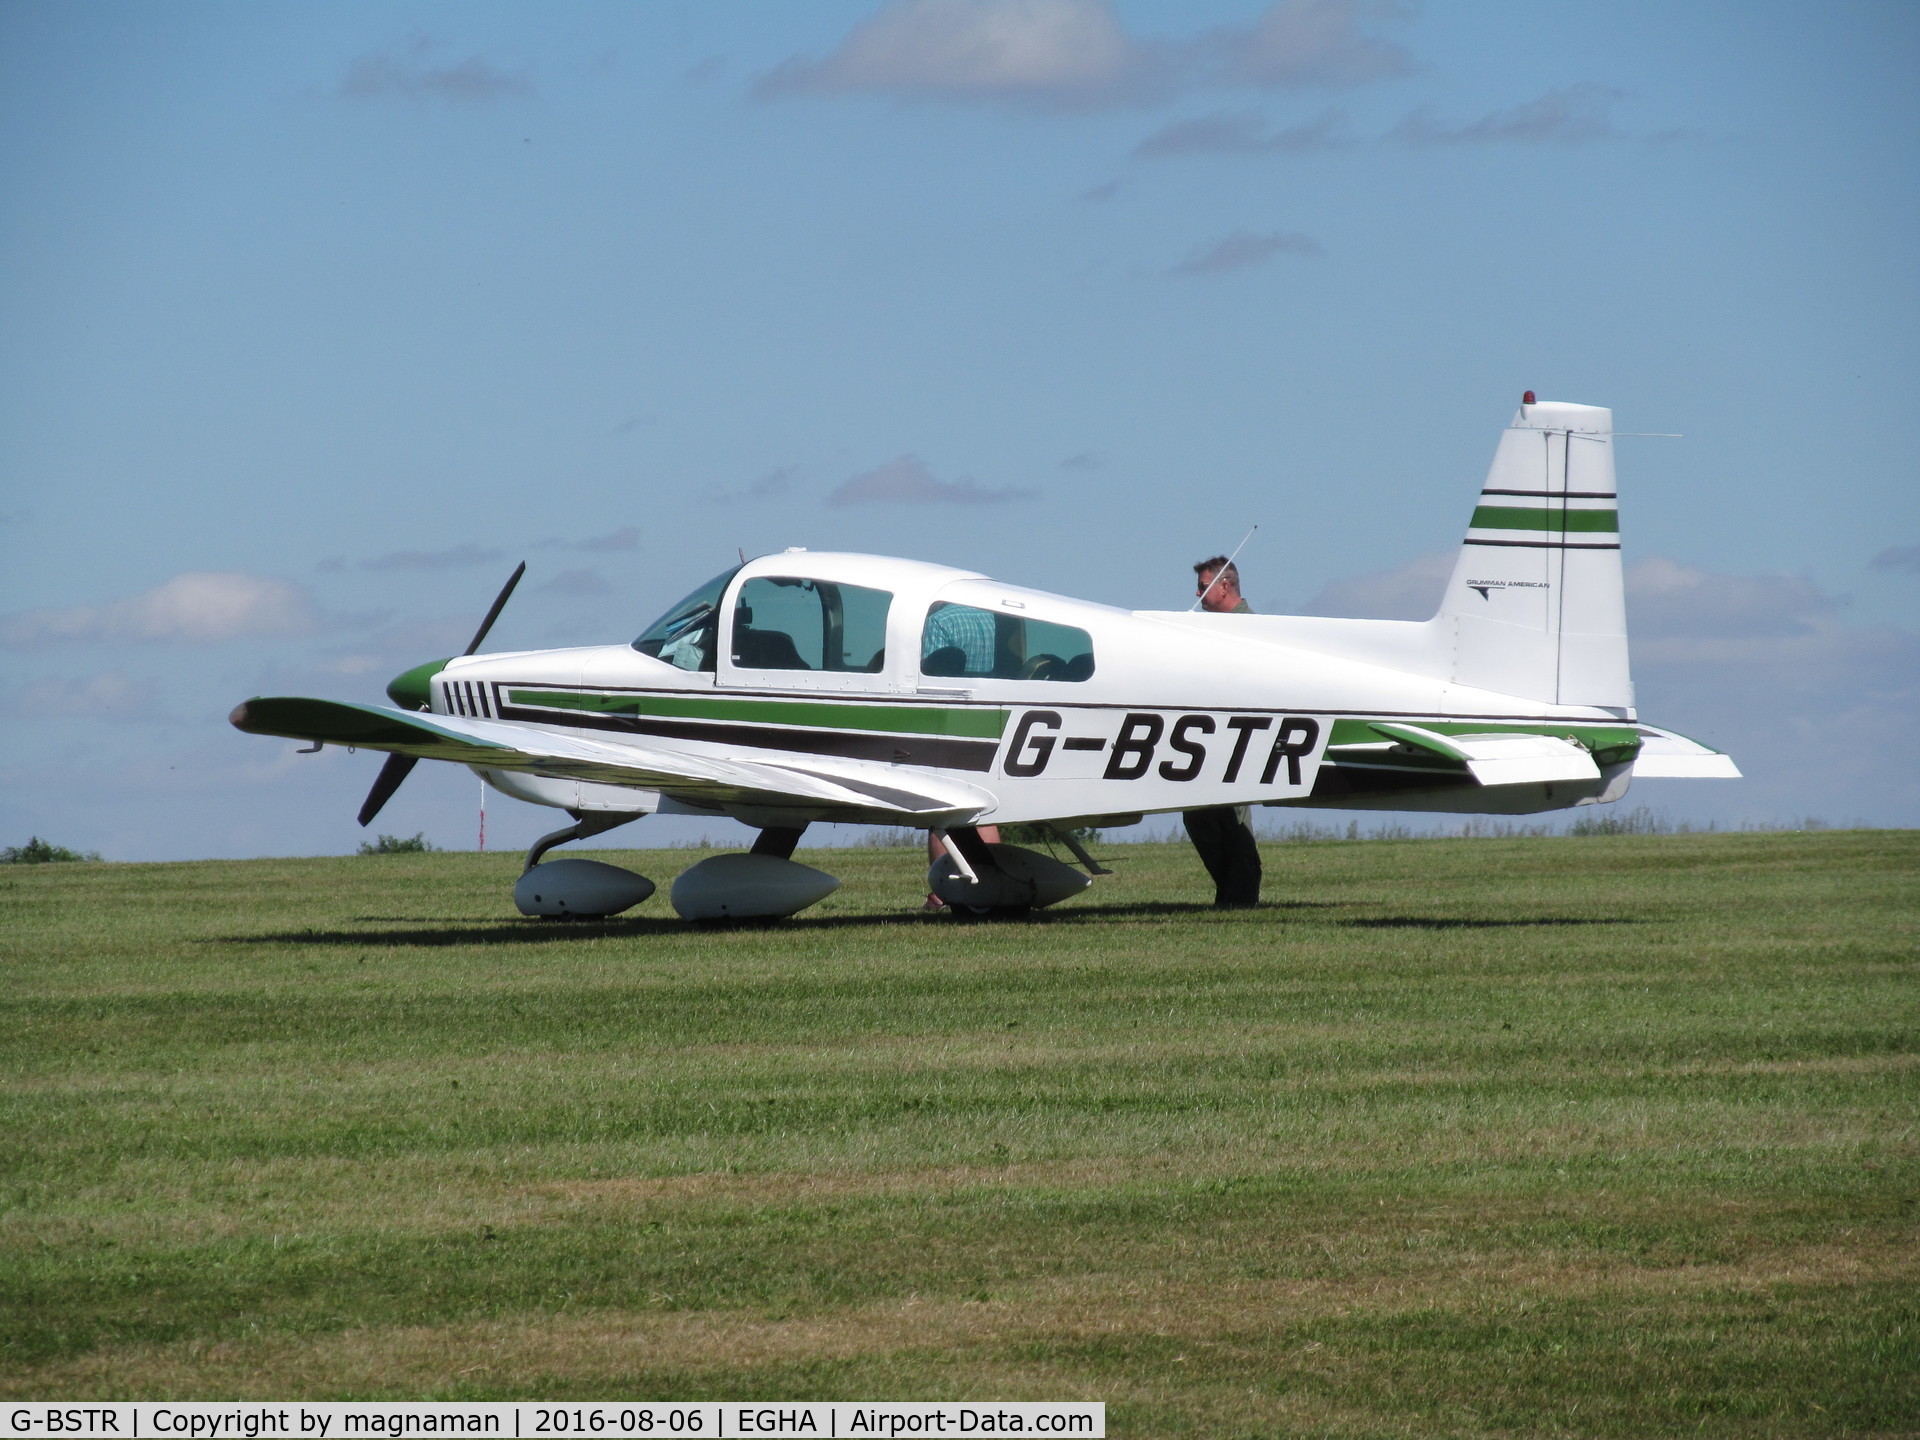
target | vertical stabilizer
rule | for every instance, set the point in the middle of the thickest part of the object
(1536, 606)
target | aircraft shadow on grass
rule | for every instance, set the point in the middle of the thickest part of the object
(526, 932)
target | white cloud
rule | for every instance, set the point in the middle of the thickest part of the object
(1243, 249)
(1048, 51)
(1411, 592)
(1299, 43)
(415, 70)
(1670, 601)
(392, 647)
(1666, 601)
(1240, 132)
(196, 607)
(451, 559)
(1815, 711)
(906, 480)
(1068, 54)
(578, 583)
(1899, 557)
(770, 486)
(1572, 115)
(627, 537)
(109, 693)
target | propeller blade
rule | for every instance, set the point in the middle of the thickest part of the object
(499, 604)
(397, 768)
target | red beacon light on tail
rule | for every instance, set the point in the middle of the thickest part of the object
(1527, 399)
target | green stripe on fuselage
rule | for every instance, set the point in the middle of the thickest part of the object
(977, 724)
(1554, 521)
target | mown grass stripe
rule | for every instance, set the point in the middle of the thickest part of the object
(1603, 1136)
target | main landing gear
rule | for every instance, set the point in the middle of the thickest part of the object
(978, 879)
(764, 883)
(974, 877)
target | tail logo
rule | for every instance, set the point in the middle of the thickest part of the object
(1485, 586)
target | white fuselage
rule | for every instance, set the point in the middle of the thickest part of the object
(1179, 710)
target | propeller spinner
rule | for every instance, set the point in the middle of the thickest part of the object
(410, 690)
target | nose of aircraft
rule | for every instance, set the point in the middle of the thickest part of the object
(412, 690)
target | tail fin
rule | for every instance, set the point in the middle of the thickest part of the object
(1536, 605)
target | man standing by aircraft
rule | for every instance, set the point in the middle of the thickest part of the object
(1219, 587)
(1221, 833)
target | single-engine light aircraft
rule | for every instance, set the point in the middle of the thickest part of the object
(810, 686)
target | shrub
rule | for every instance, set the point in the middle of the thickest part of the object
(38, 852)
(394, 845)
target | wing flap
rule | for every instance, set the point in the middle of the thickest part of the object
(1501, 759)
(506, 745)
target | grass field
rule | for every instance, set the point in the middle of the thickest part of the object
(1606, 1136)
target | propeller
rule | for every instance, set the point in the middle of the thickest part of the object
(398, 767)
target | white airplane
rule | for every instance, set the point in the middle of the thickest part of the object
(815, 686)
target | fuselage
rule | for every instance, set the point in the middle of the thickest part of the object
(1029, 705)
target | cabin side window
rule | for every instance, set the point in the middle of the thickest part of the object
(783, 622)
(964, 640)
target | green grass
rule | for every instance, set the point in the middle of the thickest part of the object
(1608, 1136)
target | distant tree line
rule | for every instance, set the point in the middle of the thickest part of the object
(38, 852)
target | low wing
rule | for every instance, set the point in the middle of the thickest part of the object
(699, 778)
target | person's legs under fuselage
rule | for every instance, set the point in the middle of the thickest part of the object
(1227, 849)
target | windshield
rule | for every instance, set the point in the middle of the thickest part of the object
(685, 635)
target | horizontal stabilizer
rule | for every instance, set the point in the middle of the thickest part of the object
(700, 779)
(1666, 756)
(1501, 759)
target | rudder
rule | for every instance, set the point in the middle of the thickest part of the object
(1536, 605)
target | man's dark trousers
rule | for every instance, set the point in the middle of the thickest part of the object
(1228, 851)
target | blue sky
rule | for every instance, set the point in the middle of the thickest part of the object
(316, 318)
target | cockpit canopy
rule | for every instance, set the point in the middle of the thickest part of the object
(808, 623)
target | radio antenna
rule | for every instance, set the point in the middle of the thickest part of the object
(1221, 571)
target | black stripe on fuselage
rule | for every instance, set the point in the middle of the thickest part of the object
(1545, 544)
(1558, 494)
(933, 752)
